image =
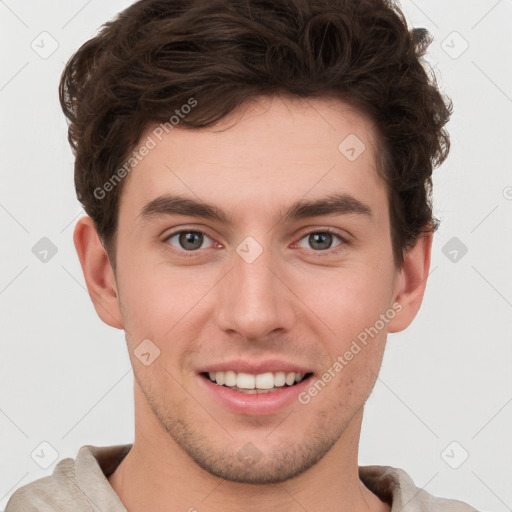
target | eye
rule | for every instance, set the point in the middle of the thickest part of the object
(187, 240)
(322, 240)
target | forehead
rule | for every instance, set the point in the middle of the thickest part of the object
(270, 152)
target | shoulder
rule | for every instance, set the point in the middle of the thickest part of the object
(54, 493)
(396, 487)
(75, 485)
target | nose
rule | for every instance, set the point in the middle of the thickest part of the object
(254, 298)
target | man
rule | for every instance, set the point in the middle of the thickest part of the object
(257, 181)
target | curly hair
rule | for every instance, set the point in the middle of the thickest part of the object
(157, 54)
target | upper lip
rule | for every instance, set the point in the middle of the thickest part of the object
(256, 368)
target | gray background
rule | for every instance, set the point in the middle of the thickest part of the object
(445, 389)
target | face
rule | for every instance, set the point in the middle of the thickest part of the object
(240, 284)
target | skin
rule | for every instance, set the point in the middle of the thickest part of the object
(294, 302)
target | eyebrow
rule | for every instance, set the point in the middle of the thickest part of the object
(333, 204)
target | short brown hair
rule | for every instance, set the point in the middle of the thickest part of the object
(157, 54)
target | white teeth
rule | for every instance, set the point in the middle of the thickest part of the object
(230, 378)
(243, 380)
(290, 378)
(279, 379)
(267, 380)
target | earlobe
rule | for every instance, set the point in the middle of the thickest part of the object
(412, 282)
(98, 272)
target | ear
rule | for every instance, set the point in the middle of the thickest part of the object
(98, 272)
(411, 283)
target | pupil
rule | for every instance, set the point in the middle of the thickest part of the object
(189, 237)
(317, 239)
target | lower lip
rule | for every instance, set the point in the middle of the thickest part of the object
(254, 404)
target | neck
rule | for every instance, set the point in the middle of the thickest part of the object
(157, 472)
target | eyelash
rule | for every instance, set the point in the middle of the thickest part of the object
(321, 253)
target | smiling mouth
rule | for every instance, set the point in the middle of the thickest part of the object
(247, 383)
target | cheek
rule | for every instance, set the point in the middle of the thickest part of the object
(152, 311)
(348, 299)
(148, 300)
(160, 302)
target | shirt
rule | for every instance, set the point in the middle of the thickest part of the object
(81, 485)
